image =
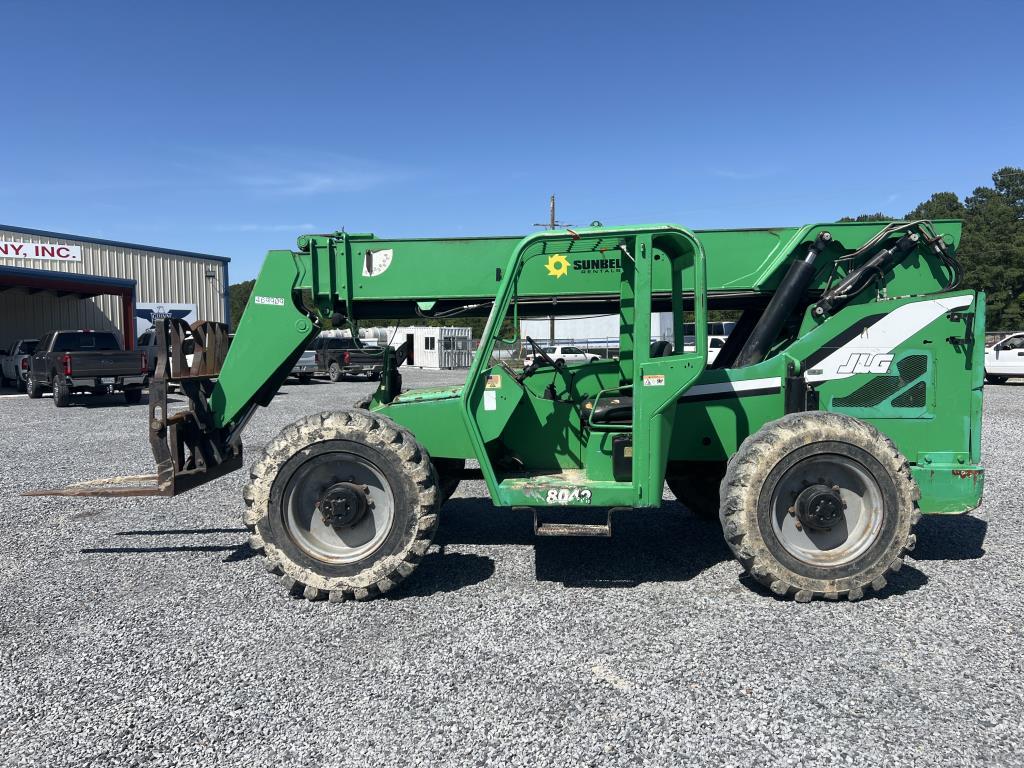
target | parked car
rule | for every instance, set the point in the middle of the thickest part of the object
(567, 355)
(715, 344)
(147, 344)
(14, 363)
(1005, 359)
(341, 357)
(71, 362)
(305, 367)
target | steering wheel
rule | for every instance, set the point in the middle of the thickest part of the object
(541, 353)
(534, 366)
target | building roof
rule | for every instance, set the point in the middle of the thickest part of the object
(114, 243)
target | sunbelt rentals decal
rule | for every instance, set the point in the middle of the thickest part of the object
(558, 265)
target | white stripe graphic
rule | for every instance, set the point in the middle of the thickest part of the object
(885, 335)
(701, 390)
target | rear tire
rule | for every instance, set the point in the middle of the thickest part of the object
(448, 479)
(698, 488)
(993, 379)
(819, 505)
(33, 390)
(334, 372)
(133, 396)
(61, 395)
(305, 378)
(390, 501)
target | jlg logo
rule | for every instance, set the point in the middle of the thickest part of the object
(865, 362)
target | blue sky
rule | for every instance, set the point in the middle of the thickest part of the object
(231, 128)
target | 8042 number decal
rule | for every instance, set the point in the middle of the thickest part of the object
(569, 496)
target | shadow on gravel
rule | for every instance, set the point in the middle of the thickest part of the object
(442, 571)
(477, 521)
(236, 552)
(180, 531)
(667, 544)
(952, 537)
(106, 401)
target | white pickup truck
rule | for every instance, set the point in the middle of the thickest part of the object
(14, 363)
(1004, 359)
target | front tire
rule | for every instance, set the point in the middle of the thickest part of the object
(991, 378)
(819, 505)
(343, 505)
(133, 396)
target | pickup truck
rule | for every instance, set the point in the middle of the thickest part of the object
(14, 363)
(305, 366)
(340, 358)
(1004, 359)
(70, 362)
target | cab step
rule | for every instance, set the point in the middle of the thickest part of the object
(543, 525)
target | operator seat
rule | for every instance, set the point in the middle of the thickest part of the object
(619, 410)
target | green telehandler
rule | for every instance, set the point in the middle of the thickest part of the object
(846, 402)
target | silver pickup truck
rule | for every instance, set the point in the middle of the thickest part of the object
(14, 363)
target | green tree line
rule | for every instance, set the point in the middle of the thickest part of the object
(992, 247)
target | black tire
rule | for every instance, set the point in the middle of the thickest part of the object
(21, 384)
(283, 523)
(993, 379)
(697, 487)
(61, 395)
(32, 389)
(133, 396)
(334, 372)
(3, 380)
(850, 456)
(305, 378)
(448, 476)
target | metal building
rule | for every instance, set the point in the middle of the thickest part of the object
(50, 280)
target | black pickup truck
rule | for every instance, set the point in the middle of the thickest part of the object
(341, 357)
(69, 362)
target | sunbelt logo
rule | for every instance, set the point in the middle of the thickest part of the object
(558, 265)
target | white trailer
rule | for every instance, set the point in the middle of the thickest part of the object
(432, 346)
(437, 346)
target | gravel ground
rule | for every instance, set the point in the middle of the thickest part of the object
(141, 631)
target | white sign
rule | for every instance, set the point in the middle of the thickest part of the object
(146, 312)
(272, 301)
(43, 251)
(376, 262)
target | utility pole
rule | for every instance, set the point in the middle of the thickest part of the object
(553, 223)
